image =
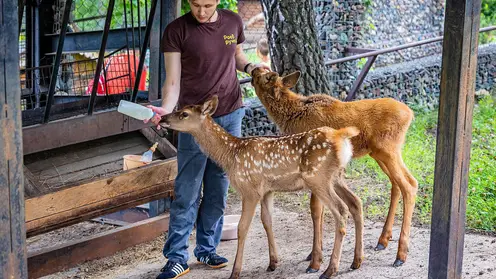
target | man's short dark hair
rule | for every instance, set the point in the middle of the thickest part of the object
(263, 47)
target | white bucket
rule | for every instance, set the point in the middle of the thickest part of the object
(230, 228)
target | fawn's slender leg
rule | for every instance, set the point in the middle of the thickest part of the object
(387, 230)
(248, 211)
(395, 166)
(407, 173)
(317, 212)
(340, 212)
(408, 208)
(324, 190)
(354, 204)
(266, 214)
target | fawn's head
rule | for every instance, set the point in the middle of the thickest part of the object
(190, 118)
(270, 84)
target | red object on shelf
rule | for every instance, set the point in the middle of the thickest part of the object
(117, 79)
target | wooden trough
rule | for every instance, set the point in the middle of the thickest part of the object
(79, 182)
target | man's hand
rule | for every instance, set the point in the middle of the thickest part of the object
(159, 112)
(258, 65)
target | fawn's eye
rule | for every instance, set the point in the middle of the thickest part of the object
(184, 115)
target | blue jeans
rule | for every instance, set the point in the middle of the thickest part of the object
(186, 209)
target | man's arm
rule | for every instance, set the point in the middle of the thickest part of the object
(170, 89)
(242, 61)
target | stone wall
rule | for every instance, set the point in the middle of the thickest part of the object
(390, 23)
(417, 82)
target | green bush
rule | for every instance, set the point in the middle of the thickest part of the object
(224, 4)
(487, 18)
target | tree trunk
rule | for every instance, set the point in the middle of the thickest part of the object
(293, 43)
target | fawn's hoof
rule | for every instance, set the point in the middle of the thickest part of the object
(311, 270)
(331, 271)
(398, 263)
(356, 265)
(271, 268)
(357, 262)
(309, 257)
(380, 247)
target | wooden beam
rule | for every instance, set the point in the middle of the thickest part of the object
(65, 106)
(164, 146)
(103, 196)
(454, 137)
(55, 259)
(166, 12)
(12, 231)
(90, 41)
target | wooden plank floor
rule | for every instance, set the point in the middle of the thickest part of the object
(70, 165)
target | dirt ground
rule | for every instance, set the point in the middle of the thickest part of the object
(293, 229)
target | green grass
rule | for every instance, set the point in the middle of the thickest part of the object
(419, 157)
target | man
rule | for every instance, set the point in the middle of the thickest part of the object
(202, 51)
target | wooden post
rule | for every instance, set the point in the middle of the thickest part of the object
(12, 231)
(166, 12)
(454, 137)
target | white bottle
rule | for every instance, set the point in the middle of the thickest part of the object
(148, 155)
(135, 110)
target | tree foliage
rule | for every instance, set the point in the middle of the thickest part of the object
(96, 11)
(487, 18)
(224, 4)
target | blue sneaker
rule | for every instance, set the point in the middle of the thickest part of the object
(213, 260)
(173, 270)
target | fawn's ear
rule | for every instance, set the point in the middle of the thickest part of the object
(291, 79)
(210, 106)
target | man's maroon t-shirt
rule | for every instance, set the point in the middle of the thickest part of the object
(207, 52)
